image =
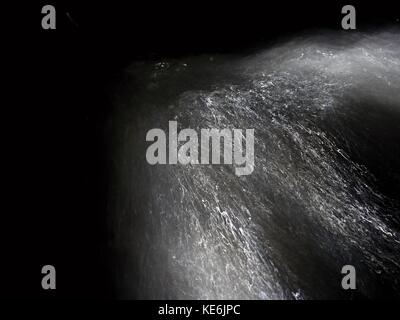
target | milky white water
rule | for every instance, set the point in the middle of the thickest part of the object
(326, 114)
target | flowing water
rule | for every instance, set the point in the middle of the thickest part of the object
(324, 192)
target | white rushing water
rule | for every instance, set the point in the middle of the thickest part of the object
(326, 110)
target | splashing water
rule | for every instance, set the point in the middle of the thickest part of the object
(326, 114)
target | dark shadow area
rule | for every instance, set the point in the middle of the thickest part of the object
(368, 130)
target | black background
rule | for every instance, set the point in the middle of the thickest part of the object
(60, 100)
